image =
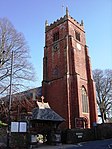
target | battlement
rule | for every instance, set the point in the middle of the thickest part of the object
(55, 23)
(67, 17)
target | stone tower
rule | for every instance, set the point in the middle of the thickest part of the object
(67, 84)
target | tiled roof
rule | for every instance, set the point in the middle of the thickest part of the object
(44, 112)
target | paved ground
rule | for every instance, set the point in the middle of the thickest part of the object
(55, 147)
(99, 144)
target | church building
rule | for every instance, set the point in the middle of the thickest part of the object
(68, 84)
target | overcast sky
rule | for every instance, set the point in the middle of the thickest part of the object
(28, 17)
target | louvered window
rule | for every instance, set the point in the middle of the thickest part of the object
(56, 36)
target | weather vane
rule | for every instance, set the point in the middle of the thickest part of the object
(63, 9)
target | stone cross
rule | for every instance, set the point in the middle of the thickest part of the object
(42, 99)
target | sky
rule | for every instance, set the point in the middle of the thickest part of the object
(29, 16)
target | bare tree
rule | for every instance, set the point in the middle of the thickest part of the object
(23, 72)
(103, 80)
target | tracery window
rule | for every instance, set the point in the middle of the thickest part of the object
(85, 107)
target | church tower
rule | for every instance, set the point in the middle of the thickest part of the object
(67, 84)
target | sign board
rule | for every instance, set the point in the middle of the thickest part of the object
(14, 126)
(79, 135)
(33, 138)
(18, 126)
(79, 123)
(22, 127)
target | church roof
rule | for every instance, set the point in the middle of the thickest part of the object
(45, 113)
(28, 94)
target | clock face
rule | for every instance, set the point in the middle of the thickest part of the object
(55, 47)
(78, 46)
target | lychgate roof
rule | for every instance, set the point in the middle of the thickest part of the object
(45, 113)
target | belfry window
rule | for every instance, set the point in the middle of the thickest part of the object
(56, 36)
(84, 101)
(77, 35)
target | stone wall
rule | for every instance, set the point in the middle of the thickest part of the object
(77, 135)
(3, 135)
(101, 131)
(104, 131)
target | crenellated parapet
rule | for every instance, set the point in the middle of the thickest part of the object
(62, 20)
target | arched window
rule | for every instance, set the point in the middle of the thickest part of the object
(85, 107)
